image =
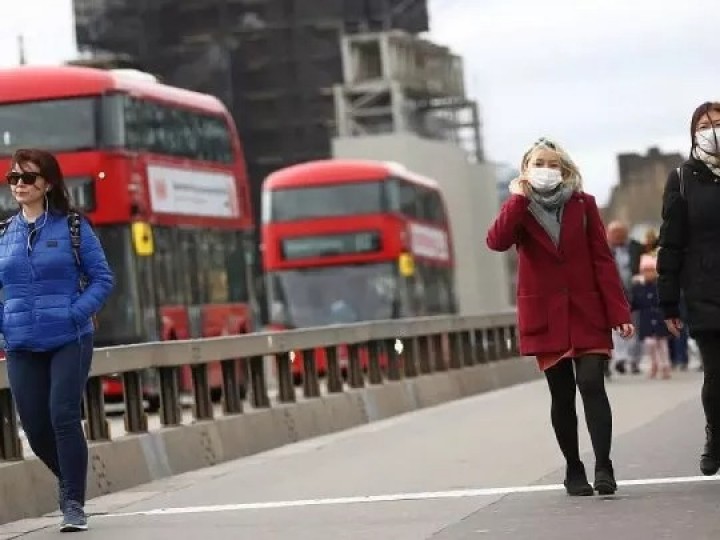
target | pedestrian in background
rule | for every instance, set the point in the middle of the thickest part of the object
(651, 241)
(651, 329)
(689, 262)
(52, 289)
(626, 252)
(569, 297)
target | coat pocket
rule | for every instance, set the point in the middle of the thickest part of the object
(532, 315)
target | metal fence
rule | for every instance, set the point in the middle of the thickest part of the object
(429, 345)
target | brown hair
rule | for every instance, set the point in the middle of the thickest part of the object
(58, 197)
(701, 111)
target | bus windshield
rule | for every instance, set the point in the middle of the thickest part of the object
(325, 201)
(55, 125)
(334, 295)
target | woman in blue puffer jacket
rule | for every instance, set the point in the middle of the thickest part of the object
(47, 320)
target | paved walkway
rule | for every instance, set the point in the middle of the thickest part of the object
(484, 467)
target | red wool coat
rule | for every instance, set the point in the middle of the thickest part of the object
(569, 296)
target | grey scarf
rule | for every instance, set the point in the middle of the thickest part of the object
(547, 207)
(712, 162)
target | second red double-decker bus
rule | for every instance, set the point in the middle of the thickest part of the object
(161, 174)
(348, 241)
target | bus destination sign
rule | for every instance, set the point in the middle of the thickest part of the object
(328, 245)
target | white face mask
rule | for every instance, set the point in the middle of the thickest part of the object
(707, 140)
(544, 178)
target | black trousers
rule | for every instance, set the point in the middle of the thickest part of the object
(709, 345)
(587, 375)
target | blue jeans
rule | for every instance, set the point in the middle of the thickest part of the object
(48, 390)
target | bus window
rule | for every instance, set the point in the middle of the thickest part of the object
(409, 200)
(236, 268)
(437, 213)
(120, 319)
(169, 268)
(58, 125)
(187, 247)
(325, 201)
(217, 271)
(175, 131)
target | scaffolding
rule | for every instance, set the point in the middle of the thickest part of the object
(397, 82)
(272, 62)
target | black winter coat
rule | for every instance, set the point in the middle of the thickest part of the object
(689, 255)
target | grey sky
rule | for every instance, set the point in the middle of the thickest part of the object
(600, 76)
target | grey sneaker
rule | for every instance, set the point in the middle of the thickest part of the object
(74, 518)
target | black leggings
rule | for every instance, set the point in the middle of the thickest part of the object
(709, 345)
(588, 374)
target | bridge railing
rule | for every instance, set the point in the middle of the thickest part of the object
(429, 344)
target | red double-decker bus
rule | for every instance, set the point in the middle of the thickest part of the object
(347, 241)
(160, 172)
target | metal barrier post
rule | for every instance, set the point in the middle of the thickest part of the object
(97, 427)
(394, 373)
(438, 348)
(260, 399)
(286, 388)
(425, 355)
(202, 404)
(334, 377)
(410, 357)
(355, 374)
(135, 417)
(232, 402)
(468, 349)
(10, 444)
(374, 352)
(170, 411)
(311, 383)
(456, 350)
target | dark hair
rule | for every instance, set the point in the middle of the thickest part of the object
(701, 111)
(58, 196)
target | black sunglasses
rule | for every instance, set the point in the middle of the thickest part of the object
(28, 178)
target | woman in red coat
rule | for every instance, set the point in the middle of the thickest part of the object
(569, 298)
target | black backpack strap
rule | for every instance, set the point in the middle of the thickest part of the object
(682, 181)
(4, 225)
(74, 226)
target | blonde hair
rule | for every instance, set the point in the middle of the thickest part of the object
(570, 172)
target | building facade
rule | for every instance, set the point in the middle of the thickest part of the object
(273, 62)
(637, 198)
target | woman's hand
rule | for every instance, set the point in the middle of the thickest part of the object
(626, 331)
(674, 326)
(520, 186)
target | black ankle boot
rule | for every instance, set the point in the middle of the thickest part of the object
(710, 458)
(605, 483)
(576, 482)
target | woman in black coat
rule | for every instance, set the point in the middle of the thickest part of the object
(689, 261)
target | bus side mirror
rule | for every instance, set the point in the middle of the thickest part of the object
(142, 238)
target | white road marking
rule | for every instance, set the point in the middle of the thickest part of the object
(420, 496)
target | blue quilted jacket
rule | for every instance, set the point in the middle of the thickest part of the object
(43, 308)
